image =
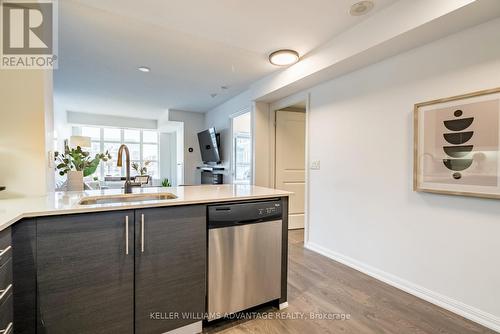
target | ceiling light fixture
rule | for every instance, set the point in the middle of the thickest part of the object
(144, 69)
(284, 57)
(361, 8)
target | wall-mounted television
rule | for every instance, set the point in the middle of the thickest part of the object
(209, 146)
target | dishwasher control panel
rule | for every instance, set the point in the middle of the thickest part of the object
(244, 213)
(269, 210)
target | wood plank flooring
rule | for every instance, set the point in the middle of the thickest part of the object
(319, 285)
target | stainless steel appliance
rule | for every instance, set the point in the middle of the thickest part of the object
(244, 256)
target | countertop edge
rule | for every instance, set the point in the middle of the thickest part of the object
(133, 206)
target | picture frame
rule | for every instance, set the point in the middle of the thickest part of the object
(457, 145)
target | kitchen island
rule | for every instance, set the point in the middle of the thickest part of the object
(137, 265)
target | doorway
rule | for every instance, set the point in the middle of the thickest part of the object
(290, 160)
(172, 152)
(242, 156)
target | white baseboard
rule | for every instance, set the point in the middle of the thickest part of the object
(455, 306)
(193, 328)
(283, 306)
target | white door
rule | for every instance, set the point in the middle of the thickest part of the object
(290, 161)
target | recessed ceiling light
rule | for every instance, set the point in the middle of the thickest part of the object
(144, 69)
(284, 57)
(361, 8)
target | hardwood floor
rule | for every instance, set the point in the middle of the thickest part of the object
(319, 285)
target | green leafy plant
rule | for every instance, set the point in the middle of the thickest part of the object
(141, 170)
(166, 183)
(74, 159)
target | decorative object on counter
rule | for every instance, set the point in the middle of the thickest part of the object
(166, 183)
(456, 145)
(77, 164)
(141, 169)
(142, 179)
(75, 180)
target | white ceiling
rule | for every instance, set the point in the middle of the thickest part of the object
(192, 46)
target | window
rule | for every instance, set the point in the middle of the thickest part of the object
(242, 158)
(142, 144)
(242, 149)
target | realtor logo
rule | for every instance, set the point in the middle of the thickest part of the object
(28, 34)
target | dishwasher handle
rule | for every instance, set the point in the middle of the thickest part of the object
(221, 224)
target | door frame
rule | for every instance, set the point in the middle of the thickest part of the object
(273, 108)
(231, 146)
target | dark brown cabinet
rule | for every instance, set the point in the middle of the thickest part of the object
(6, 282)
(115, 272)
(85, 273)
(170, 260)
(24, 276)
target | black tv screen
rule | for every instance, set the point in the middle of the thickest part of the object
(209, 147)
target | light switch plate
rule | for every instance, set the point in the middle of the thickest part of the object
(51, 158)
(316, 165)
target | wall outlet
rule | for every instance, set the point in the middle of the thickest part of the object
(316, 165)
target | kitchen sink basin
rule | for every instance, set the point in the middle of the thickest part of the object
(126, 198)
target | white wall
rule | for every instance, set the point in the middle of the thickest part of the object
(242, 123)
(219, 118)
(362, 207)
(262, 150)
(363, 211)
(25, 130)
(193, 123)
(62, 129)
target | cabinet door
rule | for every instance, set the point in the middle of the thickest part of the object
(170, 267)
(85, 277)
(24, 276)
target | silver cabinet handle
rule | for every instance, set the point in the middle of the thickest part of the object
(4, 292)
(126, 235)
(5, 250)
(8, 329)
(142, 233)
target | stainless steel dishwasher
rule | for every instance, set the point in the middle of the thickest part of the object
(244, 256)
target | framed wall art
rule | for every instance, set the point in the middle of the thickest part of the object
(456, 145)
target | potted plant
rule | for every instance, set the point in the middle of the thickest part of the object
(78, 164)
(166, 183)
(141, 170)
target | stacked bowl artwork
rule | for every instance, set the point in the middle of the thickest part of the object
(459, 148)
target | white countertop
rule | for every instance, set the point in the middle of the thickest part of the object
(57, 203)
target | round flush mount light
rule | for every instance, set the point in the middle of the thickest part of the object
(144, 69)
(284, 57)
(361, 8)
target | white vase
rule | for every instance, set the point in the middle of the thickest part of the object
(75, 181)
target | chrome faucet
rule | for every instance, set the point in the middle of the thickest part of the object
(128, 183)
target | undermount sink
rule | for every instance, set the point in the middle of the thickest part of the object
(126, 198)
